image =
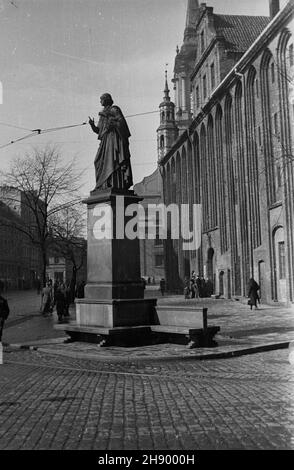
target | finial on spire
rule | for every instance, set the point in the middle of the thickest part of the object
(166, 90)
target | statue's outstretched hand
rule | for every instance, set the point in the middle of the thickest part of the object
(91, 121)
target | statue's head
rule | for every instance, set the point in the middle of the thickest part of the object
(106, 99)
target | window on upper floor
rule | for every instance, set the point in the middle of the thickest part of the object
(202, 44)
(161, 141)
(204, 86)
(212, 75)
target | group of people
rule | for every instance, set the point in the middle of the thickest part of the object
(58, 295)
(196, 286)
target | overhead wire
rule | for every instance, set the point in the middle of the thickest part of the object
(40, 131)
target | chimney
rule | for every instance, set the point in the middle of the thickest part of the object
(274, 6)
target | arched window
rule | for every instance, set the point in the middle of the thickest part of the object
(161, 141)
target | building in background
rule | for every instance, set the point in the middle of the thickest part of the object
(20, 259)
(151, 250)
(67, 261)
(234, 111)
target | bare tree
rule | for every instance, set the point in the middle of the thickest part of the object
(68, 230)
(41, 184)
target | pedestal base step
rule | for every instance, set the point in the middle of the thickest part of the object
(141, 335)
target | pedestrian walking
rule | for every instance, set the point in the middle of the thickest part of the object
(198, 285)
(192, 289)
(4, 310)
(38, 285)
(67, 296)
(143, 282)
(60, 303)
(47, 300)
(81, 290)
(162, 286)
(195, 291)
(253, 289)
(187, 288)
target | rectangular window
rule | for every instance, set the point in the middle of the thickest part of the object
(282, 262)
(212, 75)
(204, 87)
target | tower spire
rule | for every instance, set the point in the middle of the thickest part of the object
(167, 131)
(191, 18)
(166, 90)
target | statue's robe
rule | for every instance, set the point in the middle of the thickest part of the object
(112, 161)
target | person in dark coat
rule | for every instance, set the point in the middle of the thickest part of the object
(4, 309)
(198, 285)
(187, 288)
(66, 294)
(253, 289)
(162, 286)
(143, 282)
(60, 303)
(80, 293)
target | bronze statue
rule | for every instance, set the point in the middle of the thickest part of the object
(112, 161)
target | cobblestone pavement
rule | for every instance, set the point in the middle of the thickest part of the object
(53, 402)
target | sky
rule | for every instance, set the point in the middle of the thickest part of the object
(58, 56)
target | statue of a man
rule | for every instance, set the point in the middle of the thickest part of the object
(112, 161)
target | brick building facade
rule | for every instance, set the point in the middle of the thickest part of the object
(20, 261)
(234, 105)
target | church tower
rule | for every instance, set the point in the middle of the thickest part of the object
(184, 63)
(167, 131)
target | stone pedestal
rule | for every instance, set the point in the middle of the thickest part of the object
(114, 293)
(114, 311)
